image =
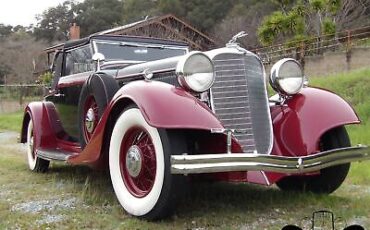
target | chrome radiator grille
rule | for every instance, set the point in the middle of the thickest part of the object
(240, 102)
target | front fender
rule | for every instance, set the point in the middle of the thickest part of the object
(300, 123)
(162, 105)
(166, 106)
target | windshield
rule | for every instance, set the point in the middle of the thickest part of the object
(116, 50)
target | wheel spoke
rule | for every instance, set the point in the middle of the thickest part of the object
(137, 140)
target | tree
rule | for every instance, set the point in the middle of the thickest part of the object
(4, 71)
(244, 16)
(54, 23)
(135, 10)
(5, 30)
(298, 20)
(16, 57)
(203, 14)
(353, 14)
(91, 15)
(97, 15)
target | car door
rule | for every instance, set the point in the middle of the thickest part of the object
(76, 67)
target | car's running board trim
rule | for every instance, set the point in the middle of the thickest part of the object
(53, 155)
(213, 163)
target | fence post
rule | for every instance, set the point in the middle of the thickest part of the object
(302, 54)
(21, 96)
(348, 50)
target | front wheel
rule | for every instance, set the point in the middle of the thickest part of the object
(330, 178)
(139, 165)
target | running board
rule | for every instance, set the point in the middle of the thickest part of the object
(53, 155)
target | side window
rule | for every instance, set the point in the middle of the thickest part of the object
(57, 68)
(78, 60)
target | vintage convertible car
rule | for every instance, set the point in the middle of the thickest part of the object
(159, 116)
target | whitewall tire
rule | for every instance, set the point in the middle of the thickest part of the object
(34, 163)
(139, 165)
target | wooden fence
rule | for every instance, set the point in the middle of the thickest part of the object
(341, 41)
(15, 97)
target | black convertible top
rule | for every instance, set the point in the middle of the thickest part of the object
(123, 38)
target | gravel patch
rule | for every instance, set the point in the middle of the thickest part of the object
(49, 219)
(267, 220)
(359, 190)
(4, 194)
(9, 140)
(360, 220)
(44, 205)
(6, 137)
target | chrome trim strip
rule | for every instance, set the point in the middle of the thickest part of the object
(222, 114)
(225, 87)
(268, 106)
(212, 163)
(140, 44)
(235, 91)
(141, 74)
(231, 70)
(53, 155)
(231, 59)
(266, 179)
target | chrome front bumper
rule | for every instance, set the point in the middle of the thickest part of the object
(230, 162)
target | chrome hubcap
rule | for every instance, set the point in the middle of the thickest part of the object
(90, 120)
(133, 161)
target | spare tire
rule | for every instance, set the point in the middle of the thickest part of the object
(96, 93)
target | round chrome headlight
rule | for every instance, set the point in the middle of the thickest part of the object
(195, 72)
(287, 76)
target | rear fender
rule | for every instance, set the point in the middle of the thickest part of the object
(46, 124)
(303, 119)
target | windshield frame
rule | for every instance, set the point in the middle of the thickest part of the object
(148, 44)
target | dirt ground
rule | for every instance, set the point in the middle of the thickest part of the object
(9, 140)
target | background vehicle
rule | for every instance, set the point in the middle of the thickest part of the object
(158, 115)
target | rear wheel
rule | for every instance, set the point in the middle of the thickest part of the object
(35, 163)
(139, 165)
(330, 178)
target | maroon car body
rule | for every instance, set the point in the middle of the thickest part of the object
(134, 114)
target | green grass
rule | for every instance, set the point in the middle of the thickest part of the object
(354, 87)
(209, 206)
(11, 121)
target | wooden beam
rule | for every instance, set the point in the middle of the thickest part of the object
(181, 36)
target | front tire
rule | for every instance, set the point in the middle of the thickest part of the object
(139, 165)
(330, 178)
(35, 163)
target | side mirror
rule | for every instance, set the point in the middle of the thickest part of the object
(98, 58)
